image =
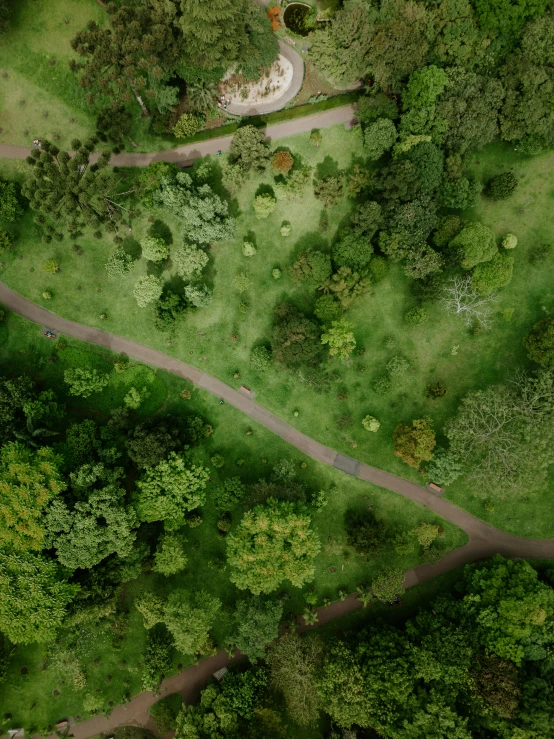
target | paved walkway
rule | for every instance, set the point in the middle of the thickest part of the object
(238, 108)
(483, 540)
(190, 152)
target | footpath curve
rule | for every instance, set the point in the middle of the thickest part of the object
(483, 540)
(189, 152)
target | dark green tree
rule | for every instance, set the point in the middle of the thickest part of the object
(312, 267)
(256, 625)
(10, 209)
(249, 149)
(540, 343)
(296, 340)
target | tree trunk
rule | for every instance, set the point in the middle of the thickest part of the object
(145, 111)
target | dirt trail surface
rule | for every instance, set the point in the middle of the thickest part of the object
(483, 540)
(190, 152)
(238, 108)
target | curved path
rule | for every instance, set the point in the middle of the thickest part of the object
(483, 540)
(189, 152)
(238, 108)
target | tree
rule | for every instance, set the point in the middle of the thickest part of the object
(85, 382)
(134, 52)
(366, 533)
(264, 205)
(256, 625)
(423, 261)
(475, 243)
(201, 95)
(340, 339)
(329, 190)
(149, 444)
(249, 149)
(346, 285)
(295, 340)
(426, 533)
(204, 215)
(506, 19)
(189, 618)
(147, 290)
(198, 295)
(501, 186)
(424, 87)
(370, 423)
(167, 491)
(261, 358)
(169, 557)
(494, 274)
(154, 249)
(113, 124)
(341, 49)
(70, 193)
(190, 260)
(509, 241)
(229, 494)
(272, 543)
(29, 480)
(327, 309)
(379, 137)
(367, 219)
(187, 125)
(119, 264)
(220, 36)
(312, 267)
(33, 597)
(376, 105)
(353, 250)
(460, 297)
(282, 162)
(414, 444)
(170, 307)
(540, 343)
(97, 525)
(444, 468)
(10, 210)
(157, 662)
(294, 663)
(387, 585)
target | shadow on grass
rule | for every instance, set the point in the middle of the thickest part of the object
(161, 230)
(312, 240)
(132, 247)
(329, 167)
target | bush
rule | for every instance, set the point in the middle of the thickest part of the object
(388, 584)
(444, 468)
(264, 205)
(316, 137)
(224, 523)
(119, 264)
(378, 268)
(261, 358)
(540, 343)
(194, 519)
(435, 391)
(501, 186)
(187, 125)
(47, 295)
(382, 385)
(276, 273)
(217, 460)
(370, 423)
(198, 295)
(51, 267)
(398, 366)
(282, 162)
(229, 495)
(170, 557)
(509, 241)
(84, 382)
(147, 290)
(327, 309)
(426, 533)
(286, 228)
(416, 316)
(248, 249)
(475, 243)
(364, 532)
(135, 398)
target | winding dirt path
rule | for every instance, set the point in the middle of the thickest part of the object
(483, 540)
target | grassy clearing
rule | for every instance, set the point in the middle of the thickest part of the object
(24, 349)
(440, 350)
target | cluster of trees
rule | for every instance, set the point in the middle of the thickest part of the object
(149, 46)
(473, 663)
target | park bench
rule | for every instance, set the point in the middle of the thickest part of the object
(434, 488)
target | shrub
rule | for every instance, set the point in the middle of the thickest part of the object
(282, 162)
(190, 260)
(379, 268)
(51, 267)
(382, 385)
(248, 249)
(366, 533)
(5, 241)
(47, 295)
(119, 264)
(84, 382)
(224, 523)
(135, 398)
(261, 358)
(264, 205)
(277, 274)
(327, 309)
(194, 519)
(187, 125)
(388, 584)
(370, 423)
(229, 494)
(501, 186)
(147, 290)
(416, 316)
(475, 243)
(329, 190)
(414, 444)
(539, 254)
(540, 343)
(154, 249)
(426, 533)
(444, 468)
(217, 460)
(242, 282)
(316, 137)
(286, 228)
(509, 241)
(198, 295)
(398, 366)
(170, 557)
(436, 391)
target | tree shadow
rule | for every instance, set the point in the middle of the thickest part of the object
(132, 247)
(250, 236)
(174, 284)
(264, 189)
(161, 230)
(329, 167)
(156, 268)
(313, 240)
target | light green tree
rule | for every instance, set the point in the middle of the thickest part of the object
(256, 625)
(147, 290)
(340, 339)
(84, 382)
(189, 618)
(170, 557)
(154, 249)
(264, 205)
(190, 260)
(379, 137)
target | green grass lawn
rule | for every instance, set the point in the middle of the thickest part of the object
(30, 695)
(441, 350)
